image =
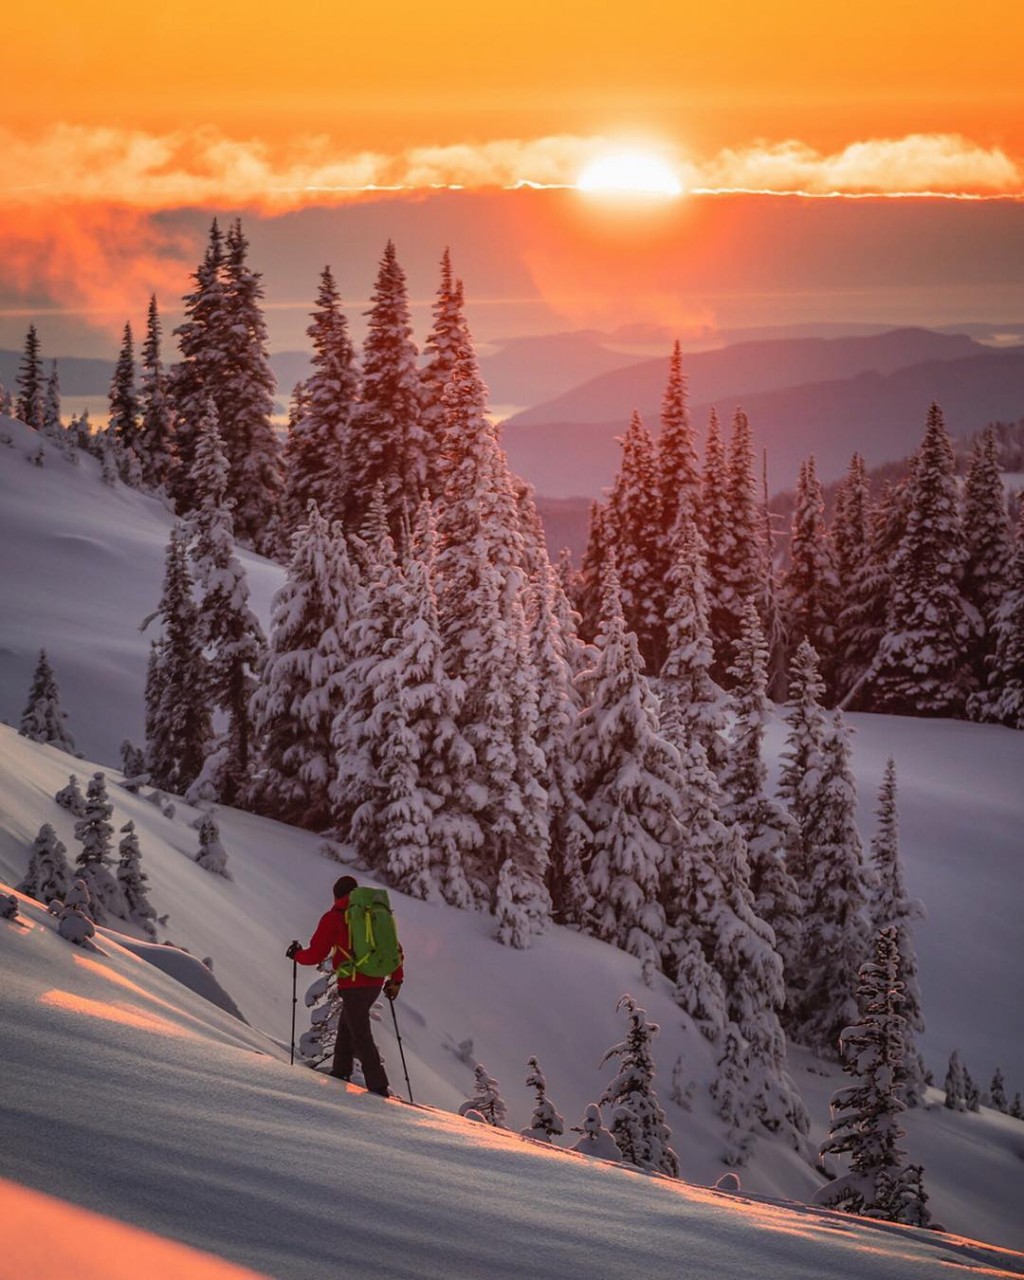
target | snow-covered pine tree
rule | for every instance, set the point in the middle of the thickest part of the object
(865, 1115)
(986, 532)
(551, 644)
(590, 591)
(972, 1092)
(714, 521)
(315, 451)
(385, 443)
(744, 563)
(487, 1099)
(156, 441)
(996, 1090)
(52, 426)
(596, 1140)
(811, 588)
(30, 406)
(835, 935)
(545, 1123)
(629, 782)
(1002, 699)
(6, 401)
(801, 760)
(212, 855)
(178, 719)
(200, 375)
(892, 907)
(636, 531)
(123, 418)
(227, 627)
(71, 798)
(855, 642)
(43, 719)
(924, 661)
(641, 1134)
(730, 1091)
(446, 339)
(678, 467)
(955, 1084)
(770, 832)
(245, 402)
(691, 702)
(95, 831)
(132, 881)
(299, 692)
(48, 875)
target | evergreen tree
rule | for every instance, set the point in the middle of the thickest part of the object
(744, 555)
(714, 522)
(385, 443)
(71, 798)
(30, 407)
(856, 640)
(48, 875)
(245, 402)
(892, 908)
(94, 830)
(487, 1100)
(1002, 700)
(641, 1133)
(802, 759)
(678, 467)
(6, 401)
(315, 452)
(178, 720)
(731, 1094)
(629, 782)
(155, 444)
(445, 341)
(924, 664)
(228, 629)
(955, 1084)
(811, 589)
(972, 1093)
(299, 693)
(43, 719)
(987, 545)
(599, 548)
(771, 834)
(212, 855)
(545, 1123)
(132, 881)
(1016, 1110)
(635, 518)
(865, 1115)
(52, 425)
(996, 1090)
(596, 1140)
(123, 418)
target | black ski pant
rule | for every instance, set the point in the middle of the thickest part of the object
(355, 1038)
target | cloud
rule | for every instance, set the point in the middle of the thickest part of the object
(203, 167)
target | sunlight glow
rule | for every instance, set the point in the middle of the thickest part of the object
(629, 173)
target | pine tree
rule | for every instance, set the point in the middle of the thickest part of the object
(132, 881)
(865, 1115)
(229, 631)
(212, 855)
(71, 798)
(731, 1094)
(6, 401)
(299, 693)
(48, 875)
(996, 1090)
(94, 830)
(801, 760)
(317, 440)
(595, 557)
(123, 418)
(43, 719)
(635, 519)
(771, 833)
(629, 782)
(596, 1140)
(641, 1133)
(811, 589)
(924, 666)
(677, 464)
(179, 729)
(487, 1100)
(156, 444)
(972, 1093)
(385, 443)
(986, 534)
(445, 341)
(1002, 699)
(955, 1084)
(856, 639)
(52, 425)
(892, 908)
(30, 407)
(545, 1123)
(744, 556)
(714, 521)
(245, 402)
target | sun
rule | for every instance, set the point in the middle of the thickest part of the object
(639, 173)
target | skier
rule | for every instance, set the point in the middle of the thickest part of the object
(358, 992)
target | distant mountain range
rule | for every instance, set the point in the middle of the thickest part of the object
(828, 397)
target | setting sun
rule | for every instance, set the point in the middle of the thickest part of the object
(629, 173)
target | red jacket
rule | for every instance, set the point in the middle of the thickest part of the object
(331, 938)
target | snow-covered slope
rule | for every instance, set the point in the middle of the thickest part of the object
(81, 565)
(128, 1094)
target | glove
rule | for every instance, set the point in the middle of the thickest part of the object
(392, 988)
(293, 947)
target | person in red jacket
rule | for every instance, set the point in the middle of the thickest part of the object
(358, 993)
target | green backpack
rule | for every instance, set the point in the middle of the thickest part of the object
(372, 935)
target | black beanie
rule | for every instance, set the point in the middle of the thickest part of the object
(344, 886)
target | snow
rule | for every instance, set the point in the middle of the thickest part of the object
(131, 1089)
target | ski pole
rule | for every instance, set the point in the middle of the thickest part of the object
(398, 1035)
(295, 1001)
